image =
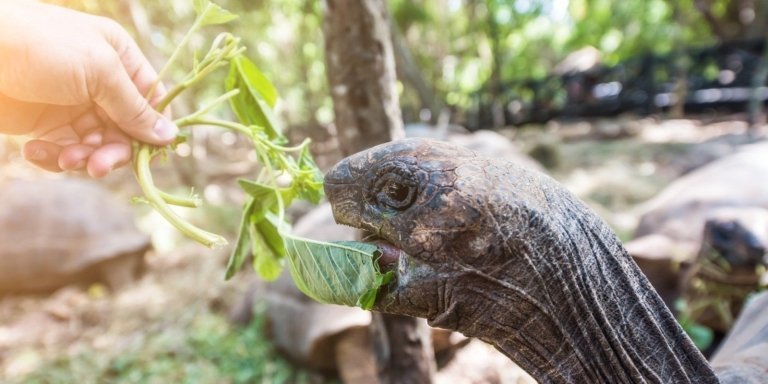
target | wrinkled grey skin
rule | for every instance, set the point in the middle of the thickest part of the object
(507, 255)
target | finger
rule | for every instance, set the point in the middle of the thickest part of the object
(107, 158)
(62, 136)
(113, 90)
(55, 117)
(113, 134)
(93, 139)
(137, 70)
(142, 73)
(136, 64)
(43, 154)
(74, 157)
(88, 122)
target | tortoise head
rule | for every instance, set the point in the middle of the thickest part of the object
(738, 235)
(445, 218)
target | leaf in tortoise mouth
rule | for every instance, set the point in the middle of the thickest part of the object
(344, 272)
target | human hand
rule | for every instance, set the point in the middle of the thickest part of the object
(77, 83)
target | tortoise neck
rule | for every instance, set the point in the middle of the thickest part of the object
(593, 317)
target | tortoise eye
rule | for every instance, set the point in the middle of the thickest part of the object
(395, 192)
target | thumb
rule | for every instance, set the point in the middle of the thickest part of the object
(115, 93)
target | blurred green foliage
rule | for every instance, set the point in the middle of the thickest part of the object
(457, 41)
(207, 350)
(459, 45)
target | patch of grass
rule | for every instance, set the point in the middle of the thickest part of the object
(593, 153)
(208, 350)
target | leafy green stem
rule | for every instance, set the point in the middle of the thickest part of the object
(207, 14)
(174, 56)
(191, 119)
(156, 201)
(208, 120)
(273, 179)
(251, 97)
(280, 148)
(215, 58)
(168, 98)
(192, 201)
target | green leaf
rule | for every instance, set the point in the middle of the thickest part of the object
(211, 14)
(310, 189)
(240, 252)
(269, 229)
(266, 197)
(256, 80)
(266, 260)
(310, 185)
(200, 6)
(257, 190)
(253, 105)
(259, 233)
(336, 273)
(368, 299)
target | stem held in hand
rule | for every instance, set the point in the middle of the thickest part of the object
(342, 273)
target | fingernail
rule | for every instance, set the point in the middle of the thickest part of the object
(39, 155)
(165, 129)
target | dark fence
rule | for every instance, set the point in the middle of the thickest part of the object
(715, 78)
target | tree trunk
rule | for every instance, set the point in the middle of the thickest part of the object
(681, 63)
(306, 34)
(742, 19)
(410, 73)
(497, 109)
(360, 66)
(403, 349)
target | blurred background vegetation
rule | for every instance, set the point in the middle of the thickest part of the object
(446, 49)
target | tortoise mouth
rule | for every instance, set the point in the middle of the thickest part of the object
(390, 254)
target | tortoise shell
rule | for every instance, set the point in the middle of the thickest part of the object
(60, 231)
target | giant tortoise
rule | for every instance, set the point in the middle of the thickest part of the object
(508, 255)
(704, 237)
(55, 232)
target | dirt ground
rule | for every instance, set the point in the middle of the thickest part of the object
(171, 326)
